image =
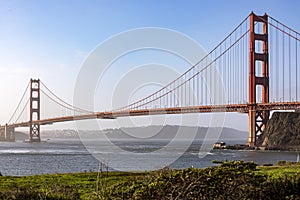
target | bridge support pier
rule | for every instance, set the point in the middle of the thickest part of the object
(34, 129)
(7, 134)
(2, 134)
(252, 129)
(258, 63)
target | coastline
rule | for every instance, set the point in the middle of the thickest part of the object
(223, 145)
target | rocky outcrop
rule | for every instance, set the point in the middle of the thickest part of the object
(282, 132)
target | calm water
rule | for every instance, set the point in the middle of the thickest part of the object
(60, 156)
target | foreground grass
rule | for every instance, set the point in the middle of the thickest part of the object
(231, 180)
(281, 171)
(61, 186)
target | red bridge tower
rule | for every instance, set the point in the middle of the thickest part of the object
(258, 62)
(34, 110)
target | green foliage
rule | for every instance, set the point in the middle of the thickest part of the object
(59, 186)
(281, 171)
(281, 188)
(287, 163)
(230, 180)
(31, 193)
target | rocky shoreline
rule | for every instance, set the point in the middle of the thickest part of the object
(282, 133)
(223, 145)
(260, 148)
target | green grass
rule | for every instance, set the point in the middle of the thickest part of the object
(146, 185)
(280, 171)
(71, 185)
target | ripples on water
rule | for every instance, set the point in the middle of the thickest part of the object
(60, 156)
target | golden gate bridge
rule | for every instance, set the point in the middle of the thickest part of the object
(258, 68)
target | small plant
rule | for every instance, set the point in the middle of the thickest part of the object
(101, 183)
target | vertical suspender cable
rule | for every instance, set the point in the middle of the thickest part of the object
(198, 88)
(234, 70)
(290, 86)
(225, 73)
(229, 65)
(283, 64)
(296, 68)
(277, 64)
(271, 61)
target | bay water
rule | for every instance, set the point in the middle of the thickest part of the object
(71, 155)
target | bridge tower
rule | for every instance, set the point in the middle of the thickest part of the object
(258, 76)
(34, 132)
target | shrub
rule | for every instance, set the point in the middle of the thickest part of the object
(231, 180)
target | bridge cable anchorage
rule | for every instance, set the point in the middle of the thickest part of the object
(67, 105)
(21, 100)
(164, 91)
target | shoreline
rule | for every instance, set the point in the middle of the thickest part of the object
(222, 145)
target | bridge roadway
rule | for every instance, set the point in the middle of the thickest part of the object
(242, 108)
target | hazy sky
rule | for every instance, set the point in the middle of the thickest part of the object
(50, 39)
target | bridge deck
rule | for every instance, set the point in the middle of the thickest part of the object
(242, 108)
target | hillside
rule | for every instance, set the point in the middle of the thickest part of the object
(152, 132)
(282, 132)
(170, 131)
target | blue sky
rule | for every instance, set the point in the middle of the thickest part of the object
(50, 39)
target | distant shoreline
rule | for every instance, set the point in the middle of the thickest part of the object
(222, 145)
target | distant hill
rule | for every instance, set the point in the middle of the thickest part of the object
(169, 132)
(149, 132)
(153, 132)
(64, 133)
